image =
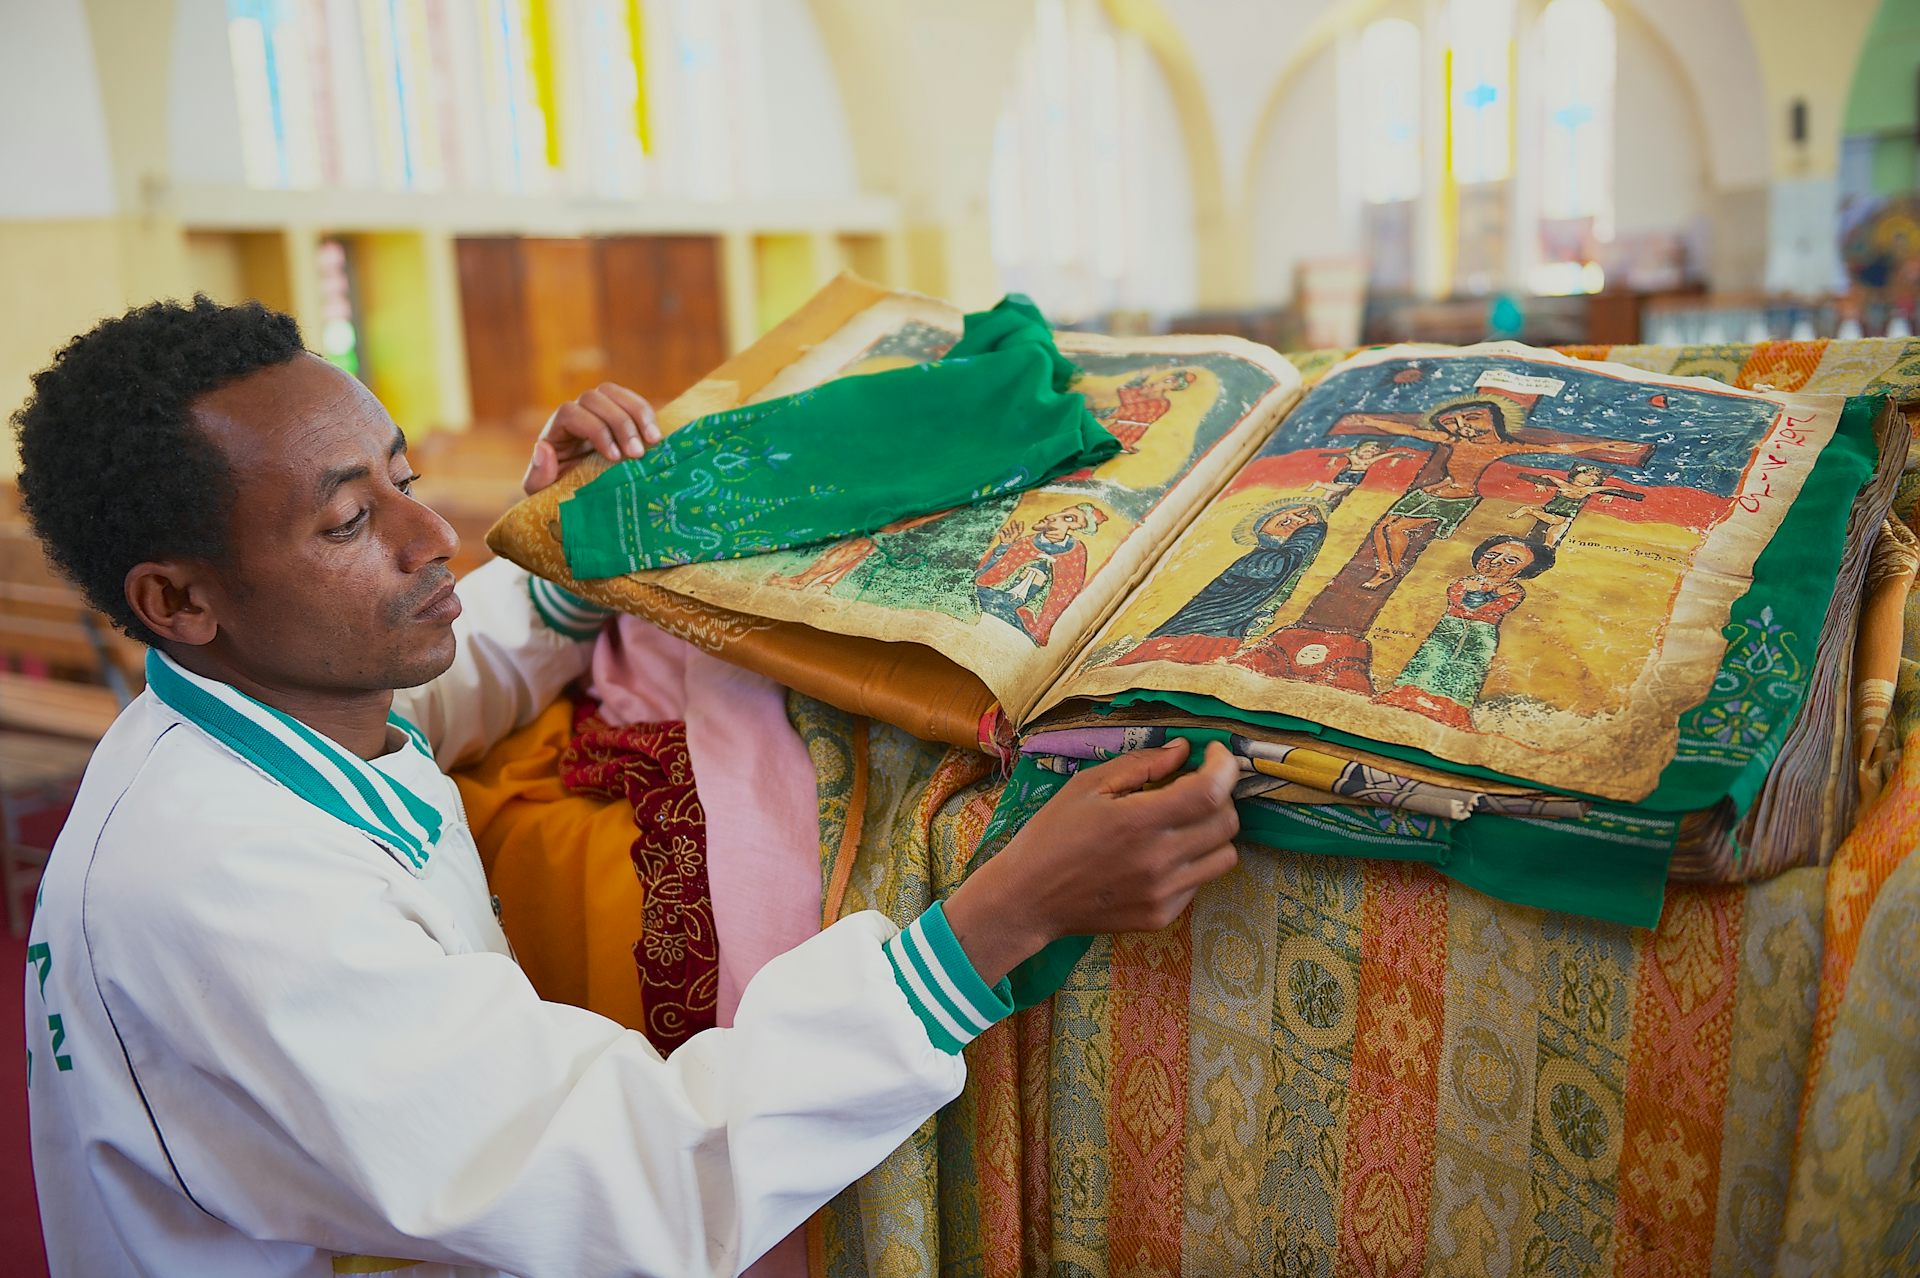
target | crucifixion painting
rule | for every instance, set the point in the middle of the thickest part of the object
(1463, 436)
(1487, 554)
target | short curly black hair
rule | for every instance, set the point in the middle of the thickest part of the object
(113, 469)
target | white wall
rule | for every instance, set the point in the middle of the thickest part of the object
(1240, 47)
(1164, 276)
(1660, 159)
(809, 151)
(1298, 209)
(54, 161)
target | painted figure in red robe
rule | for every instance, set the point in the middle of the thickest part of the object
(1444, 678)
(1028, 580)
(1144, 400)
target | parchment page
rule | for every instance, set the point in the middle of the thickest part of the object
(1497, 554)
(1009, 588)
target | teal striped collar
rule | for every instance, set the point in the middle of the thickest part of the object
(336, 781)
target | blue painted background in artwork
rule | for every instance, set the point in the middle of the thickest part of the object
(1701, 440)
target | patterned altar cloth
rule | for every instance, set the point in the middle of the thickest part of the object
(1334, 1066)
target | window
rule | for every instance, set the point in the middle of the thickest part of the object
(1390, 70)
(520, 96)
(1542, 90)
(1576, 109)
(1057, 195)
(1573, 115)
(1089, 202)
(1480, 89)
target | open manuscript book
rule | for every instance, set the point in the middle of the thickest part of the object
(1493, 562)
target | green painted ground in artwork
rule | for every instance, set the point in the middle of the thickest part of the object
(931, 566)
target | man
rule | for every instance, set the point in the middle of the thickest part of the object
(1469, 435)
(1028, 582)
(274, 1026)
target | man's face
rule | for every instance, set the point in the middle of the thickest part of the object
(1503, 561)
(1466, 423)
(1060, 525)
(337, 580)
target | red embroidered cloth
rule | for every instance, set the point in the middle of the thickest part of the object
(678, 955)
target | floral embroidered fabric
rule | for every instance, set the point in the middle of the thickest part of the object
(677, 957)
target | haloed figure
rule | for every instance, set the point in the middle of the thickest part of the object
(1448, 670)
(1218, 620)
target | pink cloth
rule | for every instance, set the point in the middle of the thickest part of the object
(757, 787)
(754, 779)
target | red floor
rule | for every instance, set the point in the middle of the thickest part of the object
(20, 1242)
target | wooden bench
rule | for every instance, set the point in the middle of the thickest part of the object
(65, 673)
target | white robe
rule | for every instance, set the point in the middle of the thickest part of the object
(261, 1041)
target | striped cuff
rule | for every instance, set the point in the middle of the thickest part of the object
(941, 985)
(567, 613)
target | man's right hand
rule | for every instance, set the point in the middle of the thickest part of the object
(610, 420)
(1106, 854)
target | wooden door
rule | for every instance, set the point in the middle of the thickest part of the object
(545, 319)
(565, 352)
(493, 318)
(661, 311)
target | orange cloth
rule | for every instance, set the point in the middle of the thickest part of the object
(570, 901)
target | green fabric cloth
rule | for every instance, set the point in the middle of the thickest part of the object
(1612, 863)
(846, 457)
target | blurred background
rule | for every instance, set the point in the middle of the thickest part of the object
(483, 207)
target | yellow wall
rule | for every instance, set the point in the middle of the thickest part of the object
(1808, 52)
(58, 279)
(788, 275)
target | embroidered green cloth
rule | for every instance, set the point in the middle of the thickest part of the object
(847, 457)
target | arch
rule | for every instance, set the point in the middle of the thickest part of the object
(1709, 41)
(1706, 39)
(1217, 264)
(1339, 17)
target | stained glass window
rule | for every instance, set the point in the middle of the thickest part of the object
(1390, 71)
(1480, 89)
(523, 96)
(1576, 108)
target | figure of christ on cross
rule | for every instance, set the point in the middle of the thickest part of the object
(1467, 438)
(1328, 643)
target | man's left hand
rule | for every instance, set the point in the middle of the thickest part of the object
(609, 419)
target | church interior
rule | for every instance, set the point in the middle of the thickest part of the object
(1700, 1058)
